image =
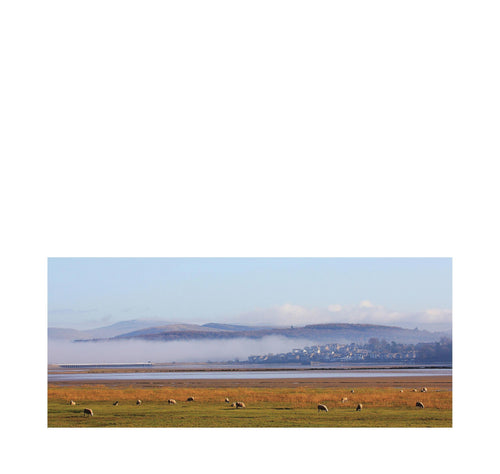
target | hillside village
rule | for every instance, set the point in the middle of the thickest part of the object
(374, 351)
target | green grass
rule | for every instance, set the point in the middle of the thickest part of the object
(266, 414)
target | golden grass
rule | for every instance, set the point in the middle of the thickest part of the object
(293, 397)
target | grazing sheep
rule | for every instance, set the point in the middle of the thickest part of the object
(71, 402)
(322, 408)
(359, 407)
(419, 405)
(138, 402)
(343, 400)
(240, 405)
(414, 390)
(190, 399)
(116, 403)
(424, 389)
(226, 400)
(87, 411)
(233, 404)
(401, 391)
(171, 401)
(352, 391)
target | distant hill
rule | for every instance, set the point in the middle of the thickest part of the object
(65, 333)
(167, 329)
(340, 333)
(360, 333)
(113, 330)
(233, 327)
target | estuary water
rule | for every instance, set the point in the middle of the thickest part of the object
(242, 374)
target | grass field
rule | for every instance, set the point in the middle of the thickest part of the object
(265, 407)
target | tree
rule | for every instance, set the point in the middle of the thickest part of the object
(373, 341)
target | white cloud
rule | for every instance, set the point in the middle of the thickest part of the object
(365, 312)
(438, 316)
(366, 304)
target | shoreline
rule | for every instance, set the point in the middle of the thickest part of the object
(435, 382)
(55, 369)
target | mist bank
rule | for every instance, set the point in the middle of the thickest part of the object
(127, 350)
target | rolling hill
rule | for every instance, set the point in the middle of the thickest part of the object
(113, 330)
(341, 333)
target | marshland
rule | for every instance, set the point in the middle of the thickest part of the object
(386, 402)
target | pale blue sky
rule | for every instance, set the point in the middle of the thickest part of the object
(92, 292)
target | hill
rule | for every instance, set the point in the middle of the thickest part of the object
(341, 333)
(113, 330)
(233, 327)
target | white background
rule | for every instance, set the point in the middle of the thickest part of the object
(258, 128)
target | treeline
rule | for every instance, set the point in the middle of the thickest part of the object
(424, 351)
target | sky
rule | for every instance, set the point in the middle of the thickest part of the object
(86, 293)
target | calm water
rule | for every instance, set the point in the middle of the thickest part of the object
(278, 374)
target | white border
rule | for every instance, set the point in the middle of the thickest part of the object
(248, 129)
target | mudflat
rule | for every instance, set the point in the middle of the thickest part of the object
(437, 382)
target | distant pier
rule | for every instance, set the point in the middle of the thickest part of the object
(118, 365)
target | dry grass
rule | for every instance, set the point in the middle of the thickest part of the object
(302, 397)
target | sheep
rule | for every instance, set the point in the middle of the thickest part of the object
(322, 408)
(138, 402)
(424, 389)
(226, 400)
(352, 391)
(190, 399)
(240, 405)
(233, 404)
(401, 391)
(343, 400)
(414, 390)
(359, 407)
(71, 402)
(419, 405)
(171, 401)
(88, 411)
(115, 404)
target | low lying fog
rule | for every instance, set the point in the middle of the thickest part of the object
(215, 350)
